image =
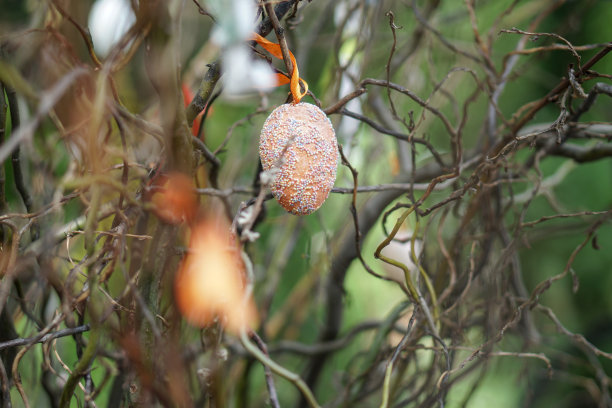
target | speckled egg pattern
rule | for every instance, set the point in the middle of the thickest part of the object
(300, 141)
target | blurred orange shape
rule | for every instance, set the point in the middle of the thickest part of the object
(187, 95)
(187, 98)
(176, 200)
(209, 281)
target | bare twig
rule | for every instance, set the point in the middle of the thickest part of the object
(570, 47)
(269, 380)
(47, 100)
(202, 11)
(45, 338)
(396, 353)
(280, 35)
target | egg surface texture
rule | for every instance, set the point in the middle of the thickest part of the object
(299, 142)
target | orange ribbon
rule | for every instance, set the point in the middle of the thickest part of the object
(295, 79)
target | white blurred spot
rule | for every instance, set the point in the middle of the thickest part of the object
(400, 249)
(235, 25)
(235, 20)
(108, 21)
(243, 74)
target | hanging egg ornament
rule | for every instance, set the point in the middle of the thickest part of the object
(298, 144)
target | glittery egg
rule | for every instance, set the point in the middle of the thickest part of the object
(298, 145)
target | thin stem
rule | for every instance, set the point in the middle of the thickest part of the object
(91, 350)
(82, 366)
(280, 35)
(278, 369)
(46, 338)
(391, 362)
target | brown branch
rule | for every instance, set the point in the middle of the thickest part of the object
(395, 134)
(344, 254)
(598, 88)
(321, 348)
(18, 175)
(383, 83)
(483, 50)
(557, 216)
(393, 27)
(440, 37)
(84, 33)
(400, 187)
(280, 35)
(355, 215)
(3, 117)
(207, 86)
(202, 11)
(570, 47)
(539, 104)
(577, 338)
(582, 154)
(554, 47)
(45, 338)
(268, 373)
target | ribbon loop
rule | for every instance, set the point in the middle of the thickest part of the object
(294, 82)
